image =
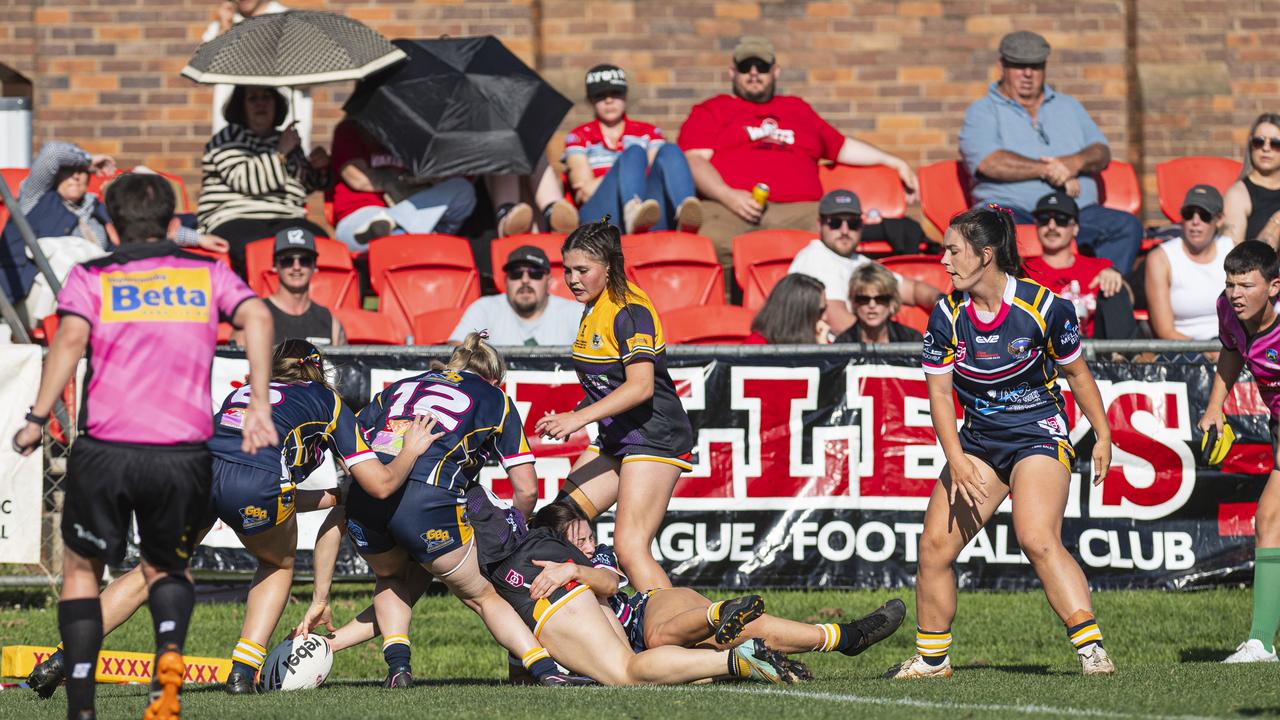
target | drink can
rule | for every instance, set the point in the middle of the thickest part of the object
(760, 193)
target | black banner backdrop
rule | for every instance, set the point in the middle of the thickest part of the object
(813, 470)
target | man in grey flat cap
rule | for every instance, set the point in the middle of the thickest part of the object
(1024, 140)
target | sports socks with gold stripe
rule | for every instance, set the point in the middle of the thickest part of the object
(838, 637)
(248, 657)
(1083, 630)
(539, 663)
(396, 651)
(933, 646)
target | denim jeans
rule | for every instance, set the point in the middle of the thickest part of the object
(441, 208)
(1113, 235)
(668, 181)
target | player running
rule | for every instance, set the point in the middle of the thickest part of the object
(997, 344)
(311, 417)
(1250, 335)
(149, 314)
(425, 521)
(645, 438)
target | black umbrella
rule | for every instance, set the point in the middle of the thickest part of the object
(299, 47)
(460, 106)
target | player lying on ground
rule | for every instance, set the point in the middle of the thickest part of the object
(253, 495)
(997, 343)
(1249, 333)
(425, 522)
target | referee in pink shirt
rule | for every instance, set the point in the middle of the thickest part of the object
(148, 313)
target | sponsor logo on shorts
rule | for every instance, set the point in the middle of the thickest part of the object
(1020, 348)
(254, 516)
(89, 537)
(161, 295)
(436, 539)
(357, 534)
(514, 579)
(1056, 425)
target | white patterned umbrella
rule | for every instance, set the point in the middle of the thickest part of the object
(299, 47)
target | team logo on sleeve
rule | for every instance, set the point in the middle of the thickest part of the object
(160, 295)
(1020, 348)
(1070, 334)
(640, 340)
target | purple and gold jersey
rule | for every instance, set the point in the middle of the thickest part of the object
(611, 337)
(479, 423)
(1261, 353)
(309, 418)
(1005, 371)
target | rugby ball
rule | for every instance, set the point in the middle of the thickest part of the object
(299, 663)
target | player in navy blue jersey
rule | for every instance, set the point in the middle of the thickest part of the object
(998, 343)
(425, 522)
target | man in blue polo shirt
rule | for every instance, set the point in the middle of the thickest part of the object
(1024, 140)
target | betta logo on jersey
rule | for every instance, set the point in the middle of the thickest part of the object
(161, 295)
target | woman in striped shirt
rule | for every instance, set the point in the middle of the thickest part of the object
(256, 177)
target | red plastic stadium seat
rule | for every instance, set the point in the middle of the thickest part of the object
(335, 283)
(433, 328)
(925, 268)
(369, 328)
(1118, 188)
(944, 192)
(761, 258)
(878, 187)
(1175, 177)
(224, 333)
(223, 258)
(550, 244)
(416, 273)
(675, 269)
(708, 325)
(13, 177)
(1028, 244)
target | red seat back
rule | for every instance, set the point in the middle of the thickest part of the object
(944, 192)
(416, 273)
(434, 328)
(1175, 177)
(13, 177)
(925, 268)
(878, 187)
(550, 243)
(761, 258)
(335, 283)
(708, 325)
(675, 269)
(1118, 188)
(369, 328)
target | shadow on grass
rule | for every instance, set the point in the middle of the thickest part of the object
(1202, 655)
(421, 682)
(1259, 711)
(1015, 669)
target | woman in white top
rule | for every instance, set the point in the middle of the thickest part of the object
(1185, 275)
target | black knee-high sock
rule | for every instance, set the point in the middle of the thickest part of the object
(80, 622)
(172, 598)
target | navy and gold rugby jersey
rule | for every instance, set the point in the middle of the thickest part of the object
(479, 422)
(1005, 371)
(309, 418)
(612, 336)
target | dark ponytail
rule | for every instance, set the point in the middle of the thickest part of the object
(557, 517)
(603, 241)
(992, 227)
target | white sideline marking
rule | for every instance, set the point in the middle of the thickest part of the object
(983, 707)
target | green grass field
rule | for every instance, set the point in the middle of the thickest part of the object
(1011, 653)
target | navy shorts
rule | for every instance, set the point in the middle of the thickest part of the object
(512, 576)
(1002, 448)
(635, 628)
(424, 520)
(251, 499)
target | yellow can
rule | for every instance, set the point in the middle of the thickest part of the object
(760, 193)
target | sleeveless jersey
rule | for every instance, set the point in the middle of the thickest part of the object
(479, 423)
(309, 419)
(611, 337)
(1005, 371)
(1261, 352)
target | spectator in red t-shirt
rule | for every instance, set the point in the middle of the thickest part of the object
(371, 198)
(753, 136)
(624, 168)
(1102, 299)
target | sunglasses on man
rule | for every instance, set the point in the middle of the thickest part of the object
(835, 221)
(1059, 219)
(1190, 212)
(744, 67)
(301, 259)
(517, 273)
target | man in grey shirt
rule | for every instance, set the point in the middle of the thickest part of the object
(1024, 140)
(528, 314)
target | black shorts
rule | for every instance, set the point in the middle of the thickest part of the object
(251, 499)
(424, 520)
(165, 486)
(1004, 448)
(513, 575)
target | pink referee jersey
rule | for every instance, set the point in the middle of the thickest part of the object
(154, 313)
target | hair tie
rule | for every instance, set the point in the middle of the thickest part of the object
(312, 358)
(484, 334)
(998, 208)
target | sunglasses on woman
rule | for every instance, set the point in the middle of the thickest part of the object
(1190, 212)
(744, 66)
(1257, 142)
(867, 299)
(835, 221)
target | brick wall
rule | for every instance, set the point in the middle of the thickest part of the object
(1162, 79)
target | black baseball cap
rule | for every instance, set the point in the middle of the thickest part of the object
(527, 256)
(1057, 202)
(295, 238)
(840, 202)
(605, 78)
(1204, 196)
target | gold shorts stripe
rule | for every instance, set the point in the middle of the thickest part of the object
(555, 606)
